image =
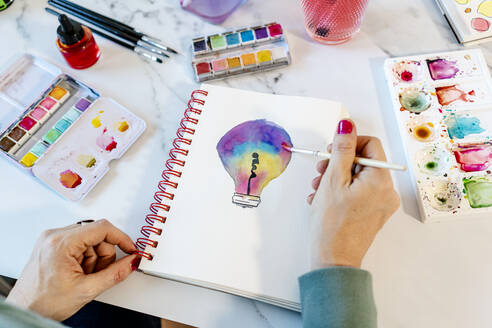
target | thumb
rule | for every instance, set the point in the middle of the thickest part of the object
(115, 273)
(343, 153)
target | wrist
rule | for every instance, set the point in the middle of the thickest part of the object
(323, 256)
(17, 298)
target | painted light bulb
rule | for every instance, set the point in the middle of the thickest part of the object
(253, 155)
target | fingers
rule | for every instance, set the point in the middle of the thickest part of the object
(321, 166)
(94, 233)
(115, 273)
(89, 261)
(370, 147)
(310, 198)
(343, 153)
(106, 255)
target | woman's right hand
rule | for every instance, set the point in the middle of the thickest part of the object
(349, 205)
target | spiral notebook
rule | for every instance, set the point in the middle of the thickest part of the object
(230, 213)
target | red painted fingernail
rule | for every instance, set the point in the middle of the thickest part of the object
(136, 263)
(345, 127)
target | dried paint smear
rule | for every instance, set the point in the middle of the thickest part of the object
(462, 125)
(449, 94)
(105, 141)
(474, 157)
(86, 160)
(70, 179)
(440, 69)
(96, 121)
(122, 126)
(478, 191)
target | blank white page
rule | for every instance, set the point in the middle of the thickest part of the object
(261, 250)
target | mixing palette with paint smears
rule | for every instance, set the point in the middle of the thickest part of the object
(443, 104)
(245, 50)
(59, 129)
(471, 20)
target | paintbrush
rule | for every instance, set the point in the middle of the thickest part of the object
(111, 25)
(127, 44)
(358, 160)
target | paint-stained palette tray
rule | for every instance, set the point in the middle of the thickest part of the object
(471, 20)
(59, 129)
(443, 105)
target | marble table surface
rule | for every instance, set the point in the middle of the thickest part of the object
(432, 275)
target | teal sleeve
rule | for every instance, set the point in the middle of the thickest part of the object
(337, 297)
(13, 317)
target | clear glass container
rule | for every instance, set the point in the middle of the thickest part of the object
(333, 21)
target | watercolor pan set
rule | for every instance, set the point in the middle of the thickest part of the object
(443, 105)
(241, 51)
(59, 129)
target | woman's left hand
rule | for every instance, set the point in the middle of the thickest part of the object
(70, 266)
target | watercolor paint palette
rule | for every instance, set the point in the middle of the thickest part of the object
(470, 19)
(443, 105)
(241, 51)
(59, 129)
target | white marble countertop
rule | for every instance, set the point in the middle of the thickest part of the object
(435, 275)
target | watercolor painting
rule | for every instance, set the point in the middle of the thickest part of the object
(477, 13)
(253, 155)
(473, 157)
(478, 191)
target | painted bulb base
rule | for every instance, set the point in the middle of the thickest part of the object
(246, 200)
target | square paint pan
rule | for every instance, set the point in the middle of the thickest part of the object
(443, 107)
(241, 51)
(46, 115)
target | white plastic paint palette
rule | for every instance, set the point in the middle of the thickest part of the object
(108, 130)
(470, 19)
(58, 128)
(443, 105)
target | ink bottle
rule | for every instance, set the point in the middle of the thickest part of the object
(76, 43)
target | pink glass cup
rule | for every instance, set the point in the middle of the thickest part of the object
(333, 21)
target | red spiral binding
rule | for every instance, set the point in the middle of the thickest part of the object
(169, 175)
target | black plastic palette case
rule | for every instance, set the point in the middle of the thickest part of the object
(241, 51)
(443, 105)
(59, 129)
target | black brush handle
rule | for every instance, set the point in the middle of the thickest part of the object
(103, 19)
(102, 34)
(126, 36)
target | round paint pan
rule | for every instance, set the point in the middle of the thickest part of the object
(408, 71)
(433, 160)
(423, 128)
(443, 195)
(415, 100)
